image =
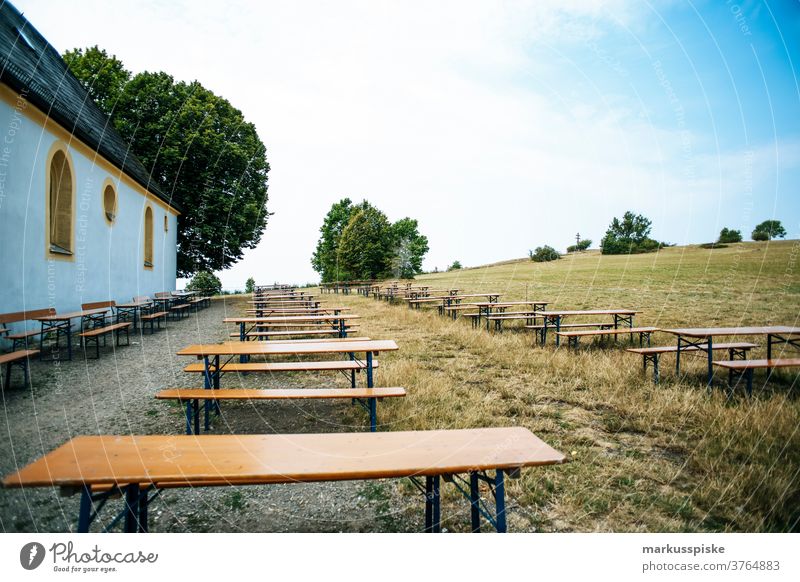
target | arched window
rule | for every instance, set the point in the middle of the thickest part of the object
(148, 238)
(110, 203)
(60, 204)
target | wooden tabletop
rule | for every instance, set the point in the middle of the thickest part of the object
(298, 297)
(507, 303)
(445, 297)
(257, 459)
(135, 304)
(590, 312)
(298, 309)
(751, 330)
(289, 319)
(73, 315)
(279, 348)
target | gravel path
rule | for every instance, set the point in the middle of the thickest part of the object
(114, 395)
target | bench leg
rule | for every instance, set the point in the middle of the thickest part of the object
(8, 376)
(189, 407)
(85, 511)
(474, 501)
(433, 518)
(500, 501)
(132, 499)
(749, 376)
(373, 414)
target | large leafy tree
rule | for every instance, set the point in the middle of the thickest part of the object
(365, 250)
(628, 235)
(395, 249)
(198, 149)
(409, 248)
(326, 256)
(768, 230)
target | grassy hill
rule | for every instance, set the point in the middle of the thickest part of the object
(643, 457)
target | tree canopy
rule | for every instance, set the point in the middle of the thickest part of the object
(729, 235)
(357, 241)
(199, 150)
(768, 230)
(629, 235)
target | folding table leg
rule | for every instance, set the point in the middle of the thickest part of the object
(433, 518)
(85, 512)
(500, 501)
(474, 499)
(132, 499)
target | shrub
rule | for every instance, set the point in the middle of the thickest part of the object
(544, 254)
(581, 246)
(455, 266)
(759, 235)
(729, 236)
(205, 283)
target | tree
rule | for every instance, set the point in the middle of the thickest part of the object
(771, 228)
(406, 246)
(455, 266)
(759, 235)
(326, 256)
(544, 254)
(205, 283)
(727, 235)
(629, 235)
(250, 285)
(365, 248)
(409, 248)
(198, 149)
(103, 76)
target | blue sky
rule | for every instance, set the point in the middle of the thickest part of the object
(501, 126)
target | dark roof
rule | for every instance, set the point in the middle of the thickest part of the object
(29, 63)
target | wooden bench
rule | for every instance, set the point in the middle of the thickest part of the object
(652, 354)
(18, 358)
(290, 333)
(745, 368)
(366, 397)
(20, 339)
(499, 318)
(178, 310)
(540, 329)
(101, 332)
(573, 336)
(132, 465)
(154, 317)
(243, 367)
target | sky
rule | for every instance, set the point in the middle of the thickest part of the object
(499, 126)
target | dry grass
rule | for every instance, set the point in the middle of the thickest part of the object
(644, 457)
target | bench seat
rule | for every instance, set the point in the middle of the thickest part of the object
(96, 333)
(154, 318)
(284, 333)
(18, 358)
(745, 368)
(336, 365)
(574, 336)
(652, 354)
(193, 396)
